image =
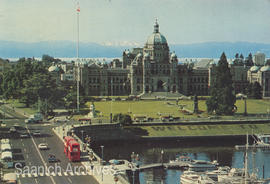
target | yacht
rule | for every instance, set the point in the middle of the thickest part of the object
(205, 179)
(189, 177)
(220, 171)
(201, 165)
(196, 165)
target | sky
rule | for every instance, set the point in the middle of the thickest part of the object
(127, 22)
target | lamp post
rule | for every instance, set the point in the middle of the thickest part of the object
(133, 175)
(102, 147)
(132, 157)
(82, 136)
(162, 152)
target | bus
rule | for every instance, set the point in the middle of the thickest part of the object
(67, 139)
(72, 148)
(74, 153)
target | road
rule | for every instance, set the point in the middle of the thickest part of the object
(27, 154)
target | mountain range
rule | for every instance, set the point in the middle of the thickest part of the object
(12, 49)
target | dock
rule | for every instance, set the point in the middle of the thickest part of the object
(176, 165)
(254, 146)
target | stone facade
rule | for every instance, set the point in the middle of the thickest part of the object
(154, 68)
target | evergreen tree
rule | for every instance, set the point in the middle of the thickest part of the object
(222, 99)
(249, 60)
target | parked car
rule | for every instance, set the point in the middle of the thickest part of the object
(43, 146)
(24, 135)
(12, 130)
(52, 158)
(36, 133)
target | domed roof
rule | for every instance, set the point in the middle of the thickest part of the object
(254, 68)
(173, 55)
(53, 69)
(265, 68)
(156, 37)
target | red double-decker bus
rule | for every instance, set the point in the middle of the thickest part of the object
(72, 149)
(66, 142)
(74, 153)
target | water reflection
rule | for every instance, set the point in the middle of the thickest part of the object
(151, 153)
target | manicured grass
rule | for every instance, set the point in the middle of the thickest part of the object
(17, 104)
(203, 130)
(153, 108)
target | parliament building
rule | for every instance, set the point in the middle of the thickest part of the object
(154, 70)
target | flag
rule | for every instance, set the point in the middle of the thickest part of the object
(78, 8)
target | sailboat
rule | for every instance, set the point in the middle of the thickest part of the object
(241, 176)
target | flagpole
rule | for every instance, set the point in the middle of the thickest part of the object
(78, 66)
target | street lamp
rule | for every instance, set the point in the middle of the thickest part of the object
(132, 157)
(162, 152)
(133, 176)
(82, 136)
(102, 161)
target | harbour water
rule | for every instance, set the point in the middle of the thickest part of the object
(152, 153)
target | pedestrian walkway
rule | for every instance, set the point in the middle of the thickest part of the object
(99, 176)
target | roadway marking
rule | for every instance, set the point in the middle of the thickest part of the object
(36, 180)
(69, 180)
(40, 155)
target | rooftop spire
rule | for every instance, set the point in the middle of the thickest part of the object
(156, 27)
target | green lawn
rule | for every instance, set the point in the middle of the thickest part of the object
(203, 130)
(17, 104)
(153, 108)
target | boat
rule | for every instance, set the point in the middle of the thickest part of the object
(262, 141)
(201, 165)
(241, 175)
(189, 177)
(205, 179)
(222, 171)
(197, 165)
(194, 177)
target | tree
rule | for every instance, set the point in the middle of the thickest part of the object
(267, 62)
(222, 99)
(70, 99)
(41, 87)
(241, 56)
(249, 60)
(123, 119)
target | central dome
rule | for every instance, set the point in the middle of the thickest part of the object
(156, 37)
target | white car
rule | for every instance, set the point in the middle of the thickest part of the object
(43, 146)
(37, 133)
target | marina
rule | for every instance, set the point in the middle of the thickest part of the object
(261, 141)
(153, 172)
